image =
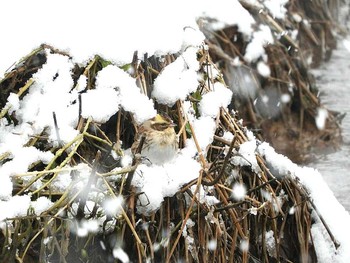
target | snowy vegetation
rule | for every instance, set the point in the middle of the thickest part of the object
(68, 122)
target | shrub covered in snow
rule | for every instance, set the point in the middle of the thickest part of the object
(71, 190)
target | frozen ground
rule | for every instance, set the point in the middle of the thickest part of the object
(333, 82)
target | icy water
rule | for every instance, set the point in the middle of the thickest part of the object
(333, 80)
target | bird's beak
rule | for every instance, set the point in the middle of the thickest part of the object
(172, 124)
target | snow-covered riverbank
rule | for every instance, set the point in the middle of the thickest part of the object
(53, 89)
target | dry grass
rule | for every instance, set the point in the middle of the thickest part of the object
(274, 218)
(289, 60)
(219, 232)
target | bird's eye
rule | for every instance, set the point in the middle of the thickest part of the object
(164, 125)
(160, 126)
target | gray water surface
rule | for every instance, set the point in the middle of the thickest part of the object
(333, 80)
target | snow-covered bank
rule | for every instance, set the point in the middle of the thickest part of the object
(328, 207)
(119, 33)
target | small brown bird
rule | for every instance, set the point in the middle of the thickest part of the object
(160, 142)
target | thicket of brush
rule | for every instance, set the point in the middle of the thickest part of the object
(289, 127)
(220, 232)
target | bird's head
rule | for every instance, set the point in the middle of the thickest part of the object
(161, 123)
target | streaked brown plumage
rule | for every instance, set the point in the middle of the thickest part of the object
(160, 143)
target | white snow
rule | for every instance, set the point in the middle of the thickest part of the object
(324, 247)
(204, 128)
(346, 44)
(270, 243)
(120, 254)
(276, 8)
(87, 226)
(285, 98)
(12, 102)
(116, 32)
(228, 136)
(263, 69)
(41, 204)
(246, 156)
(88, 28)
(113, 206)
(213, 100)
(18, 206)
(167, 179)
(203, 195)
(22, 158)
(212, 244)
(260, 39)
(334, 214)
(100, 104)
(239, 191)
(234, 15)
(186, 233)
(62, 181)
(15, 206)
(321, 118)
(297, 18)
(50, 93)
(178, 79)
(244, 245)
(124, 92)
